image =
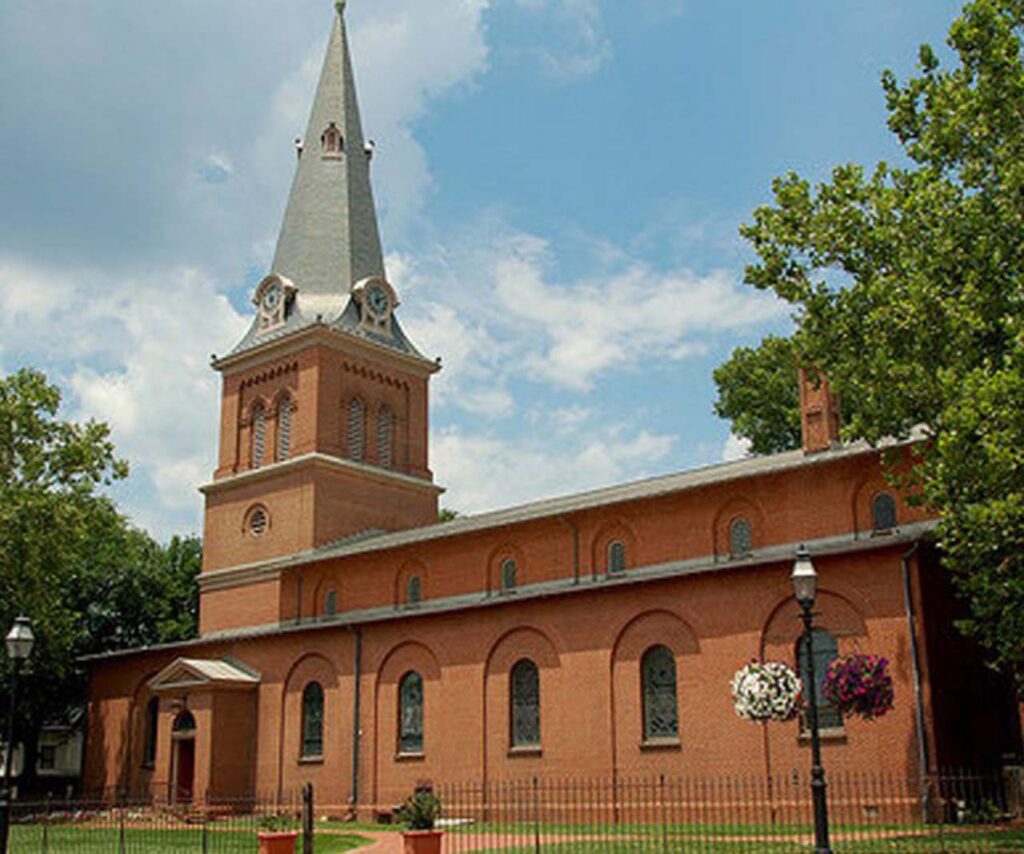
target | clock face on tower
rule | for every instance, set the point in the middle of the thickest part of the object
(272, 298)
(377, 300)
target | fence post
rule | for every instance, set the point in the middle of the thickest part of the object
(121, 841)
(46, 825)
(664, 818)
(307, 819)
(536, 815)
(204, 832)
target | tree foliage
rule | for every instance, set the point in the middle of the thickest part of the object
(758, 393)
(908, 288)
(69, 560)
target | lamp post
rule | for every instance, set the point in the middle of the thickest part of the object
(19, 642)
(805, 582)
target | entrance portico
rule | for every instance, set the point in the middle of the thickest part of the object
(206, 730)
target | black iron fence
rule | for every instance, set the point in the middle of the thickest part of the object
(122, 825)
(656, 815)
(868, 813)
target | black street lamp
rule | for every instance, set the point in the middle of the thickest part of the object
(805, 582)
(19, 642)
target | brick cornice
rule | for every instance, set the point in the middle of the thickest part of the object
(336, 339)
(316, 459)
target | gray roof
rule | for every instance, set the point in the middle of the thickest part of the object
(329, 238)
(654, 487)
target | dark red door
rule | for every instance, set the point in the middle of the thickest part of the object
(186, 770)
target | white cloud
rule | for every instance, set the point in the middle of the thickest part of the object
(497, 315)
(135, 351)
(576, 43)
(735, 448)
(484, 472)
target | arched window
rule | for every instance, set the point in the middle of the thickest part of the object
(410, 713)
(509, 575)
(524, 703)
(259, 435)
(883, 512)
(826, 649)
(356, 429)
(741, 537)
(413, 590)
(151, 723)
(331, 603)
(385, 451)
(312, 721)
(284, 428)
(184, 723)
(616, 557)
(661, 707)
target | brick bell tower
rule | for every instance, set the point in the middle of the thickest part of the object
(323, 430)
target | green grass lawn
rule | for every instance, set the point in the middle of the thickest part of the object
(72, 839)
(996, 842)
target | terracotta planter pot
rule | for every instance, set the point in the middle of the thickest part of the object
(278, 843)
(422, 841)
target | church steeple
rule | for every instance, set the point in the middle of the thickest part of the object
(329, 239)
(329, 268)
(324, 410)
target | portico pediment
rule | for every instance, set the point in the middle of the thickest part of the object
(204, 673)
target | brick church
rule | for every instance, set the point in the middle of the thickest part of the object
(349, 639)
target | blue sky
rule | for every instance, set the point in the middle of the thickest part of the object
(560, 185)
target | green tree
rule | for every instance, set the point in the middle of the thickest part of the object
(908, 288)
(758, 393)
(69, 560)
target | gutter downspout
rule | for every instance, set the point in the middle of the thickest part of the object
(908, 601)
(357, 670)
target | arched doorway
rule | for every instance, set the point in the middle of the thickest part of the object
(183, 752)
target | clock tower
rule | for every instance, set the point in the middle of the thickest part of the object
(323, 431)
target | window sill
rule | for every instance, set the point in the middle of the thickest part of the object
(661, 744)
(517, 752)
(410, 757)
(311, 760)
(833, 735)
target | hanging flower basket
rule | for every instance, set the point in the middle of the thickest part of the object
(859, 684)
(768, 691)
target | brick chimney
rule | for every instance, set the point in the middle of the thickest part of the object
(819, 412)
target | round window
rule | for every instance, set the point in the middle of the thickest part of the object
(258, 521)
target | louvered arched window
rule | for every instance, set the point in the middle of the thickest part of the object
(356, 436)
(883, 512)
(524, 703)
(259, 435)
(312, 720)
(284, 428)
(410, 713)
(616, 557)
(385, 436)
(331, 603)
(661, 707)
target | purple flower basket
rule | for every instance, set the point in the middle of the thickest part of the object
(860, 684)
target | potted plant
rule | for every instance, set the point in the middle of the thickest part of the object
(277, 834)
(860, 684)
(419, 813)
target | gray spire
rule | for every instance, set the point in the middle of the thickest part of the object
(329, 238)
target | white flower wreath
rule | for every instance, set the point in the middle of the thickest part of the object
(768, 691)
